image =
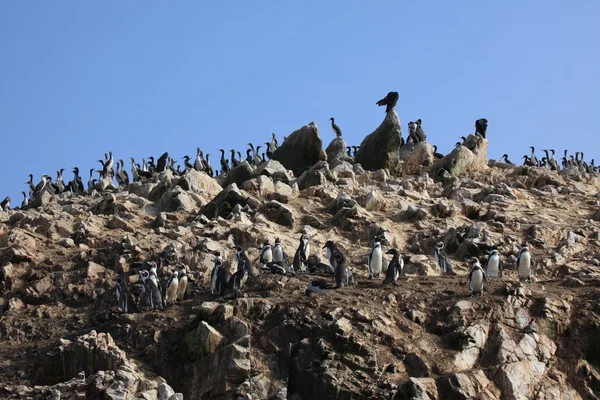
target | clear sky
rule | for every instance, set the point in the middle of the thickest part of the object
(80, 78)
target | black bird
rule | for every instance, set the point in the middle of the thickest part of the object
(161, 163)
(506, 160)
(464, 139)
(224, 164)
(436, 154)
(151, 166)
(188, 164)
(269, 151)
(25, 202)
(533, 158)
(209, 168)
(234, 161)
(5, 205)
(389, 101)
(249, 158)
(349, 151)
(419, 131)
(528, 162)
(317, 286)
(355, 149)
(481, 126)
(335, 128)
(244, 261)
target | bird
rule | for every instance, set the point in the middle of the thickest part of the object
(5, 205)
(219, 278)
(317, 286)
(224, 163)
(234, 161)
(476, 277)
(533, 158)
(528, 161)
(236, 281)
(124, 298)
(437, 155)
(172, 288)
(199, 163)
(301, 256)
(183, 282)
(441, 258)
(266, 255)
(332, 250)
(161, 163)
(25, 202)
(421, 136)
(412, 132)
(342, 272)
(524, 264)
(394, 268)
(506, 160)
(335, 128)
(375, 260)
(389, 101)
(481, 127)
(244, 261)
(349, 151)
(493, 269)
(278, 253)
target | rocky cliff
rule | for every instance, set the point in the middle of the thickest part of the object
(63, 336)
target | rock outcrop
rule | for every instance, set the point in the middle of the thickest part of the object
(380, 149)
(471, 156)
(301, 150)
(336, 149)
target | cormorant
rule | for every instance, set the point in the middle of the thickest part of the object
(389, 101)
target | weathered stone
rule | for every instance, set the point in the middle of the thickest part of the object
(199, 182)
(380, 148)
(301, 150)
(222, 205)
(420, 159)
(203, 341)
(471, 156)
(336, 149)
(278, 213)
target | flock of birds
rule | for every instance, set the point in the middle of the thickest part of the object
(575, 162)
(157, 293)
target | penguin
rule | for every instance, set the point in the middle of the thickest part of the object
(172, 288)
(121, 296)
(183, 282)
(524, 264)
(506, 160)
(301, 257)
(332, 250)
(266, 255)
(275, 267)
(315, 266)
(442, 259)
(389, 101)
(5, 205)
(219, 278)
(236, 281)
(394, 268)
(152, 294)
(375, 260)
(342, 276)
(493, 269)
(278, 253)
(481, 127)
(244, 261)
(317, 286)
(476, 278)
(336, 129)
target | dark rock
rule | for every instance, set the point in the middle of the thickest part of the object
(238, 175)
(223, 204)
(278, 213)
(380, 149)
(336, 149)
(416, 366)
(301, 150)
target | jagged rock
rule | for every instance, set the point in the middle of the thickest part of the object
(421, 389)
(416, 366)
(413, 213)
(224, 202)
(468, 385)
(177, 199)
(374, 201)
(471, 341)
(199, 182)
(203, 341)
(95, 271)
(239, 174)
(301, 150)
(41, 199)
(119, 223)
(336, 149)
(278, 213)
(380, 149)
(444, 209)
(165, 391)
(420, 158)
(275, 171)
(7, 272)
(470, 157)
(405, 151)
(343, 200)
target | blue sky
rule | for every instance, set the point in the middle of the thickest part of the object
(142, 77)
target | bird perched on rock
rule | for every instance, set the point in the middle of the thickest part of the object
(183, 282)
(301, 256)
(493, 269)
(336, 129)
(481, 127)
(506, 160)
(172, 288)
(394, 268)
(5, 205)
(244, 261)
(389, 101)
(412, 132)
(219, 277)
(437, 155)
(124, 298)
(421, 136)
(375, 260)
(317, 286)
(342, 272)
(476, 277)
(332, 250)
(266, 255)
(525, 264)
(441, 258)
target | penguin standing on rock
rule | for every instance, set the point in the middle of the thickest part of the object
(237, 281)
(394, 268)
(375, 260)
(493, 269)
(183, 282)
(124, 298)
(172, 288)
(342, 273)
(278, 253)
(476, 278)
(266, 255)
(219, 278)
(332, 250)
(152, 296)
(301, 256)
(244, 261)
(442, 259)
(525, 264)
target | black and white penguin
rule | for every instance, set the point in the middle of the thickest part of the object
(342, 273)
(476, 277)
(278, 253)
(183, 283)
(481, 127)
(219, 278)
(394, 268)
(172, 288)
(301, 255)
(152, 295)
(336, 129)
(525, 264)
(493, 269)
(5, 205)
(281, 268)
(244, 261)
(389, 101)
(123, 296)
(441, 258)
(317, 286)
(266, 255)
(375, 260)
(237, 281)
(315, 266)
(332, 250)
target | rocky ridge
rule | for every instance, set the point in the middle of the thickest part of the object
(61, 333)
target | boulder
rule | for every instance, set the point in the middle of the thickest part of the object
(336, 149)
(301, 150)
(222, 205)
(471, 156)
(278, 213)
(420, 158)
(238, 175)
(199, 182)
(177, 199)
(203, 341)
(275, 171)
(380, 149)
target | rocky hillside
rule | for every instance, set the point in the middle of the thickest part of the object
(63, 336)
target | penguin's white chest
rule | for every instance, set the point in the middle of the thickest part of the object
(267, 255)
(307, 251)
(376, 261)
(493, 265)
(476, 283)
(182, 287)
(172, 289)
(277, 254)
(525, 265)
